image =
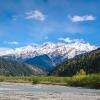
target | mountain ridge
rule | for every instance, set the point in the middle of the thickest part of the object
(14, 68)
(89, 62)
(57, 52)
(42, 61)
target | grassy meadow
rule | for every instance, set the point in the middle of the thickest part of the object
(92, 80)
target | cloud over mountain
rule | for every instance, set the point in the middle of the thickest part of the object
(69, 40)
(11, 42)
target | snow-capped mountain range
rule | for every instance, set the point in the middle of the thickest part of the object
(56, 51)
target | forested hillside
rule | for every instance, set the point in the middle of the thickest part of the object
(89, 62)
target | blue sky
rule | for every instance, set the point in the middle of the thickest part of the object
(24, 22)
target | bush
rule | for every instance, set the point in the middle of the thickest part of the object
(35, 80)
(81, 72)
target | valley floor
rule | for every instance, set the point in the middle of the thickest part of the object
(27, 91)
(89, 81)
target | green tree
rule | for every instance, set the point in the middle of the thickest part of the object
(81, 72)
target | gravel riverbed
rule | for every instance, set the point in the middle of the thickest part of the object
(27, 91)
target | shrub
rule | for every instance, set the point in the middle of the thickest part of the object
(81, 72)
(35, 80)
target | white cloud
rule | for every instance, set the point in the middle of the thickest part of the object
(33, 44)
(69, 40)
(36, 14)
(81, 18)
(12, 42)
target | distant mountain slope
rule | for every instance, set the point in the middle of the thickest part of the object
(42, 61)
(58, 52)
(90, 62)
(14, 68)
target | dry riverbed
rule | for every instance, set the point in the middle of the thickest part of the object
(27, 91)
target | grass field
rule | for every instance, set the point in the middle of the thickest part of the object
(92, 80)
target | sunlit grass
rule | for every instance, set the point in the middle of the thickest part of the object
(92, 80)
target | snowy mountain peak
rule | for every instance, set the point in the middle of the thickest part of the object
(56, 51)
